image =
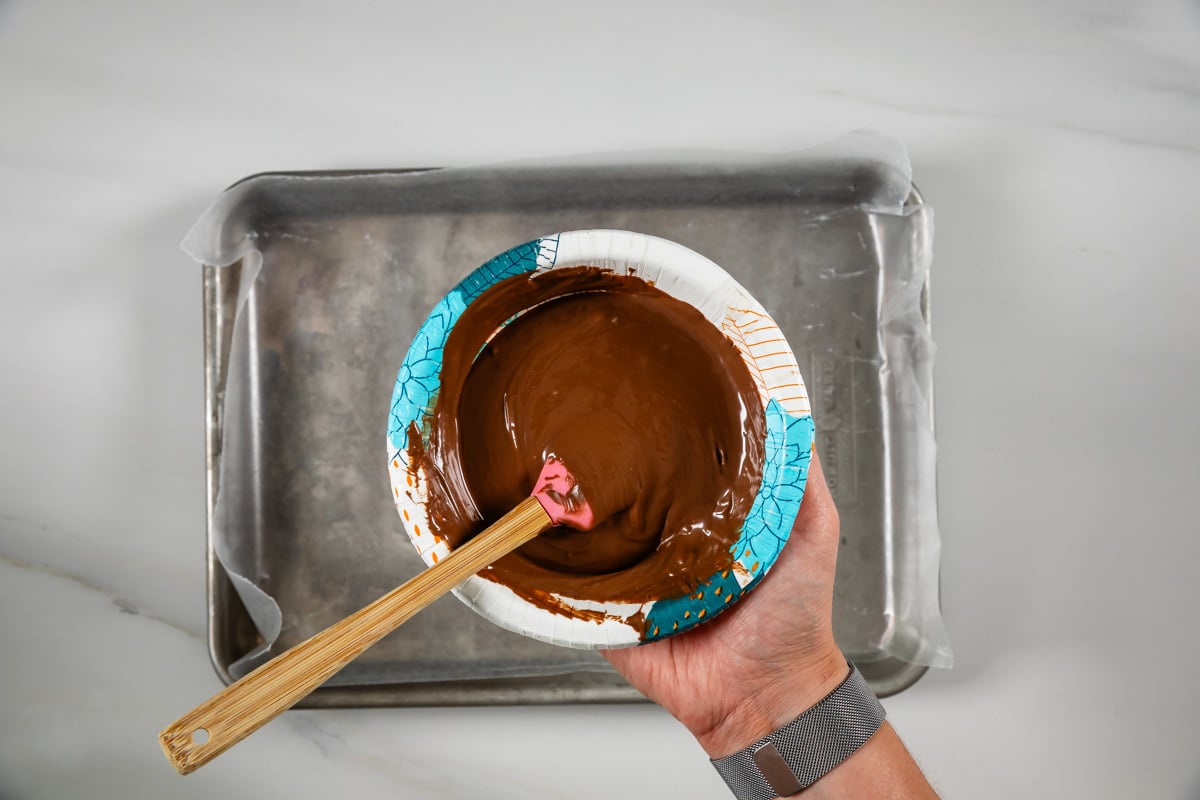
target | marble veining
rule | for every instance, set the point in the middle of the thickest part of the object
(1056, 143)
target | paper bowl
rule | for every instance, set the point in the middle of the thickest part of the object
(788, 443)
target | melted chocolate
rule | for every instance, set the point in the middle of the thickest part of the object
(650, 407)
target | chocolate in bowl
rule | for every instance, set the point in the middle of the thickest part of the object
(690, 403)
(626, 385)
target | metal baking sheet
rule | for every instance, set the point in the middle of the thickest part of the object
(358, 261)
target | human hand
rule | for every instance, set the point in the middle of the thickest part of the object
(768, 658)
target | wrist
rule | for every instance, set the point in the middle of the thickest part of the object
(772, 701)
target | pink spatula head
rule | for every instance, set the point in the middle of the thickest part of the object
(562, 497)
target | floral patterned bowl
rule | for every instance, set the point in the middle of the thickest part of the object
(690, 277)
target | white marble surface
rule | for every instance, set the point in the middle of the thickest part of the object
(1059, 143)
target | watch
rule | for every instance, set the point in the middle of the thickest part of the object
(801, 752)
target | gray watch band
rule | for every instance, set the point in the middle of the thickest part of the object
(801, 752)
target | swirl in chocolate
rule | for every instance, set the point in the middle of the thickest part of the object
(650, 407)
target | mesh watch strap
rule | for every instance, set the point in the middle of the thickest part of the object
(801, 752)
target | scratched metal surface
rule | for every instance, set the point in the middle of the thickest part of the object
(350, 267)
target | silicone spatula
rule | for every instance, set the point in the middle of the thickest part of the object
(243, 707)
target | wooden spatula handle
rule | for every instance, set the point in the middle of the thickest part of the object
(245, 706)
